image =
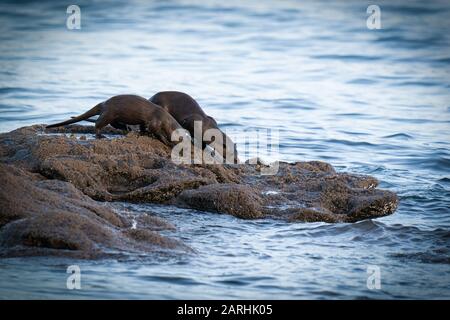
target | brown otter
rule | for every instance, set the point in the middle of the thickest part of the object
(186, 111)
(123, 110)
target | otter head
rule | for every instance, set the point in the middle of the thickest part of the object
(210, 123)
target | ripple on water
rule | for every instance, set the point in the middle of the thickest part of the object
(399, 136)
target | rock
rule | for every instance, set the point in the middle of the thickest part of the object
(52, 217)
(62, 176)
(238, 200)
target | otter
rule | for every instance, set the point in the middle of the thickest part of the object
(123, 110)
(186, 111)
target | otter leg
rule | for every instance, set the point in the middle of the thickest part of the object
(156, 128)
(164, 140)
(101, 122)
(119, 125)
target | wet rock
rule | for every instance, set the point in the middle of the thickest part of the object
(313, 191)
(61, 175)
(52, 217)
(238, 200)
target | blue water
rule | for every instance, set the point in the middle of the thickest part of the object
(368, 101)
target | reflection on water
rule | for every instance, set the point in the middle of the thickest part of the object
(367, 101)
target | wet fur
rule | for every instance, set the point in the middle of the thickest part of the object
(125, 110)
(186, 111)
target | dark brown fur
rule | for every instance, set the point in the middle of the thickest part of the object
(130, 110)
(186, 111)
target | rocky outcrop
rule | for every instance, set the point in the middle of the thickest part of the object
(53, 180)
(51, 217)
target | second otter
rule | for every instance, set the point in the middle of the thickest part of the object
(187, 111)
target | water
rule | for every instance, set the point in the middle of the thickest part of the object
(368, 101)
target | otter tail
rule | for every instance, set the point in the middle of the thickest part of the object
(93, 112)
(88, 120)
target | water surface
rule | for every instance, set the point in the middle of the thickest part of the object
(368, 101)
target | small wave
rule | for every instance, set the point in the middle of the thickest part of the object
(409, 43)
(354, 133)
(401, 136)
(350, 58)
(418, 120)
(445, 180)
(363, 81)
(291, 103)
(443, 60)
(360, 228)
(170, 279)
(433, 161)
(434, 256)
(15, 109)
(244, 280)
(413, 10)
(351, 143)
(355, 115)
(4, 90)
(418, 84)
(144, 47)
(30, 91)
